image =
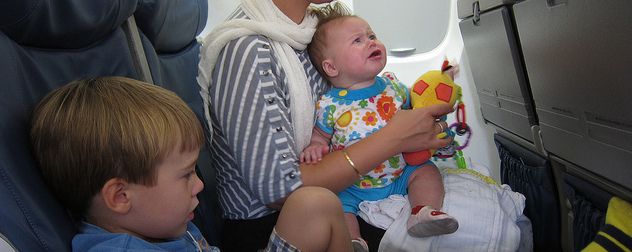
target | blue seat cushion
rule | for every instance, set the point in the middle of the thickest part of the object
(30, 216)
(62, 24)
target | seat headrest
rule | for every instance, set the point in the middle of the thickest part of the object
(171, 25)
(62, 24)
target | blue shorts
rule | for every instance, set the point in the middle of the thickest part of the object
(352, 196)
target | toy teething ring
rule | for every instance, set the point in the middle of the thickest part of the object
(461, 129)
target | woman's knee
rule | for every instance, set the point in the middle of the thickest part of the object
(312, 198)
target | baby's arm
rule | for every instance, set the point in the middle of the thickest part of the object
(317, 148)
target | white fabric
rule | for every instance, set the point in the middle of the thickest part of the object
(526, 234)
(382, 213)
(488, 216)
(285, 36)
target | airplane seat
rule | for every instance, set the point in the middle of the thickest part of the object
(551, 78)
(589, 205)
(497, 68)
(502, 84)
(168, 31)
(531, 174)
(44, 46)
(575, 54)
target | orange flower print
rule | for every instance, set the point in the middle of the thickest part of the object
(386, 107)
(379, 169)
(337, 147)
(398, 173)
(370, 119)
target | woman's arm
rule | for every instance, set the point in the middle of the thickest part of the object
(407, 131)
(255, 153)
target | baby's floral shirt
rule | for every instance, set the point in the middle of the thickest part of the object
(350, 115)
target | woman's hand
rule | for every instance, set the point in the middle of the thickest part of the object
(417, 129)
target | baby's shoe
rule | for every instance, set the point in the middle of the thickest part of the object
(426, 221)
(359, 245)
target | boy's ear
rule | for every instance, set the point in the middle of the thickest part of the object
(115, 194)
(329, 68)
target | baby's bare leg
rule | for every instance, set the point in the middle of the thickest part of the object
(425, 187)
(352, 224)
(358, 243)
(426, 192)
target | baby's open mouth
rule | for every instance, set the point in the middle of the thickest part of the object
(375, 53)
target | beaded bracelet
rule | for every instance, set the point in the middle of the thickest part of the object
(351, 163)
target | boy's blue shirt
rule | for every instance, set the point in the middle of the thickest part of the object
(93, 238)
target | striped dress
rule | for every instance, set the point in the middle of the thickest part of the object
(253, 148)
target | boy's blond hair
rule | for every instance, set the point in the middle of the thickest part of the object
(90, 131)
(331, 12)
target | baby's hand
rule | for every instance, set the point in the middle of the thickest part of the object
(314, 153)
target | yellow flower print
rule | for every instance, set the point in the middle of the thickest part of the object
(344, 119)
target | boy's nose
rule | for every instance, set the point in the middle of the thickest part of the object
(198, 185)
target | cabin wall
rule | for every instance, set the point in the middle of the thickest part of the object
(481, 149)
(218, 11)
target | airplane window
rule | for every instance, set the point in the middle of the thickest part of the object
(406, 27)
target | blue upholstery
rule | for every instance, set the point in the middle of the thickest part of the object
(171, 25)
(589, 204)
(62, 24)
(170, 46)
(531, 175)
(46, 44)
(27, 75)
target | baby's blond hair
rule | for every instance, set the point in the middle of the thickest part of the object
(331, 12)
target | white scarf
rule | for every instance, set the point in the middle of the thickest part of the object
(285, 36)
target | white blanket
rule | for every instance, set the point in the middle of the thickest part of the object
(490, 217)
